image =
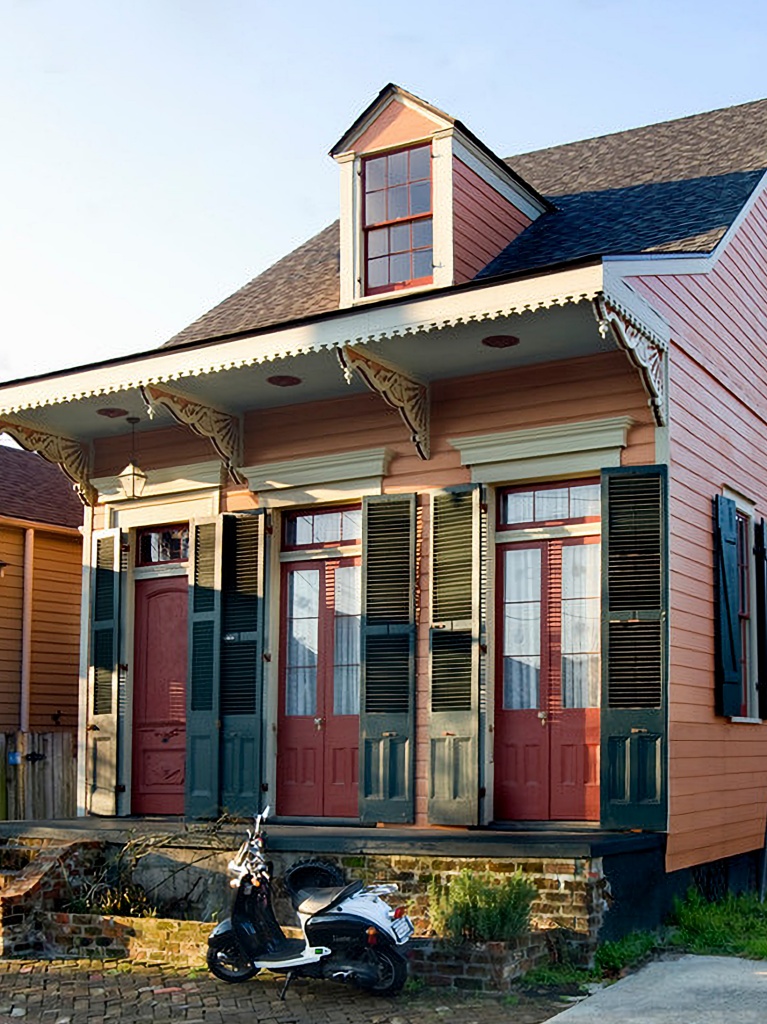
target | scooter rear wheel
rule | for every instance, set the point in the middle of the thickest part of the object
(229, 963)
(391, 972)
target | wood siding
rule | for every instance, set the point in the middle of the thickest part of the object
(397, 125)
(718, 402)
(54, 653)
(11, 590)
(155, 449)
(483, 222)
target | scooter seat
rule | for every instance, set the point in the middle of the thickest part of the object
(314, 901)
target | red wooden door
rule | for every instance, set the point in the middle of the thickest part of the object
(547, 699)
(318, 720)
(159, 696)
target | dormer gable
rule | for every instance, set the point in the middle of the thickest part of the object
(424, 204)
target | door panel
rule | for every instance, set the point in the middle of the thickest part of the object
(159, 696)
(547, 717)
(318, 742)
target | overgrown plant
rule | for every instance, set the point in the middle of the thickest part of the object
(733, 926)
(480, 906)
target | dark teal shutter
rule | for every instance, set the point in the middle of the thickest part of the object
(105, 643)
(455, 659)
(242, 662)
(634, 647)
(202, 723)
(760, 572)
(728, 687)
(387, 704)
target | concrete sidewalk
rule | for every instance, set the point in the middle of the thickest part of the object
(687, 990)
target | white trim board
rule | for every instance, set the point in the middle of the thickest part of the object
(559, 450)
(340, 477)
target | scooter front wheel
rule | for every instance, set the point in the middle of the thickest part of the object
(229, 963)
(391, 972)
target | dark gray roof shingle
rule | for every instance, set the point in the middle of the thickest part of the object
(35, 490)
(669, 187)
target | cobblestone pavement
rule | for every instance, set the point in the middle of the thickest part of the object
(81, 992)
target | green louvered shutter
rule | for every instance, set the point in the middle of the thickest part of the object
(728, 687)
(760, 566)
(634, 647)
(387, 712)
(202, 720)
(104, 681)
(242, 662)
(455, 658)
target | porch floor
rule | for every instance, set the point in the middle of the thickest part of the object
(527, 839)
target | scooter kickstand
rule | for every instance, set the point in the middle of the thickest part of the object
(286, 986)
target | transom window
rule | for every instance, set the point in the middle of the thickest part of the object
(550, 504)
(162, 544)
(398, 220)
(328, 528)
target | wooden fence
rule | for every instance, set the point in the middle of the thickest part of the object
(37, 776)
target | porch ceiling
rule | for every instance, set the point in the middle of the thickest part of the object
(545, 335)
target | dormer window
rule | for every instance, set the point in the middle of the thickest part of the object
(398, 220)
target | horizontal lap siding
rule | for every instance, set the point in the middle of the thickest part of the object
(483, 222)
(568, 391)
(55, 631)
(155, 449)
(397, 125)
(11, 592)
(718, 395)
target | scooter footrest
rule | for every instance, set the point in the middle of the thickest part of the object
(287, 950)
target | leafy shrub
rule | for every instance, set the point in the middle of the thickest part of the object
(734, 926)
(481, 907)
(612, 957)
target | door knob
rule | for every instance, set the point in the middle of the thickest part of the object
(543, 715)
(318, 723)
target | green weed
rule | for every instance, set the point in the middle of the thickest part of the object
(734, 926)
(481, 907)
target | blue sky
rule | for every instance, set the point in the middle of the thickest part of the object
(157, 154)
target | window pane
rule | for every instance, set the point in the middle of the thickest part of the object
(351, 524)
(348, 581)
(423, 264)
(420, 197)
(378, 272)
(552, 504)
(420, 163)
(375, 207)
(346, 660)
(302, 627)
(523, 574)
(585, 501)
(521, 683)
(327, 528)
(580, 625)
(521, 628)
(378, 242)
(399, 268)
(399, 238)
(397, 203)
(375, 174)
(519, 507)
(398, 168)
(422, 234)
(302, 531)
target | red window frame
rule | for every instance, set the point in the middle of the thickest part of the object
(148, 530)
(396, 224)
(539, 488)
(295, 514)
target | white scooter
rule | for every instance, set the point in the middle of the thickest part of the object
(349, 933)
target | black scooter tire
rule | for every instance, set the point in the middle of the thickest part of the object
(228, 963)
(392, 972)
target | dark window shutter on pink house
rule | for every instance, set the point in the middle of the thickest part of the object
(728, 687)
(105, 656)
(387, 701)
(760, 567)
(202, 721)
(241, 672)
(634, 647)
(455, 658)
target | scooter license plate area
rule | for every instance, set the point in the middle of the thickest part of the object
(403, 928)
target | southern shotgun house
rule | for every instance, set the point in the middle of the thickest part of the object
(454, 515)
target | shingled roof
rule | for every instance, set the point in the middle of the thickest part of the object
(36, 491)
(670, 187)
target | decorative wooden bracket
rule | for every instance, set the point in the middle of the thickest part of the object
(647, 353)
(408, 396)
(221, 429)
(71, 456)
